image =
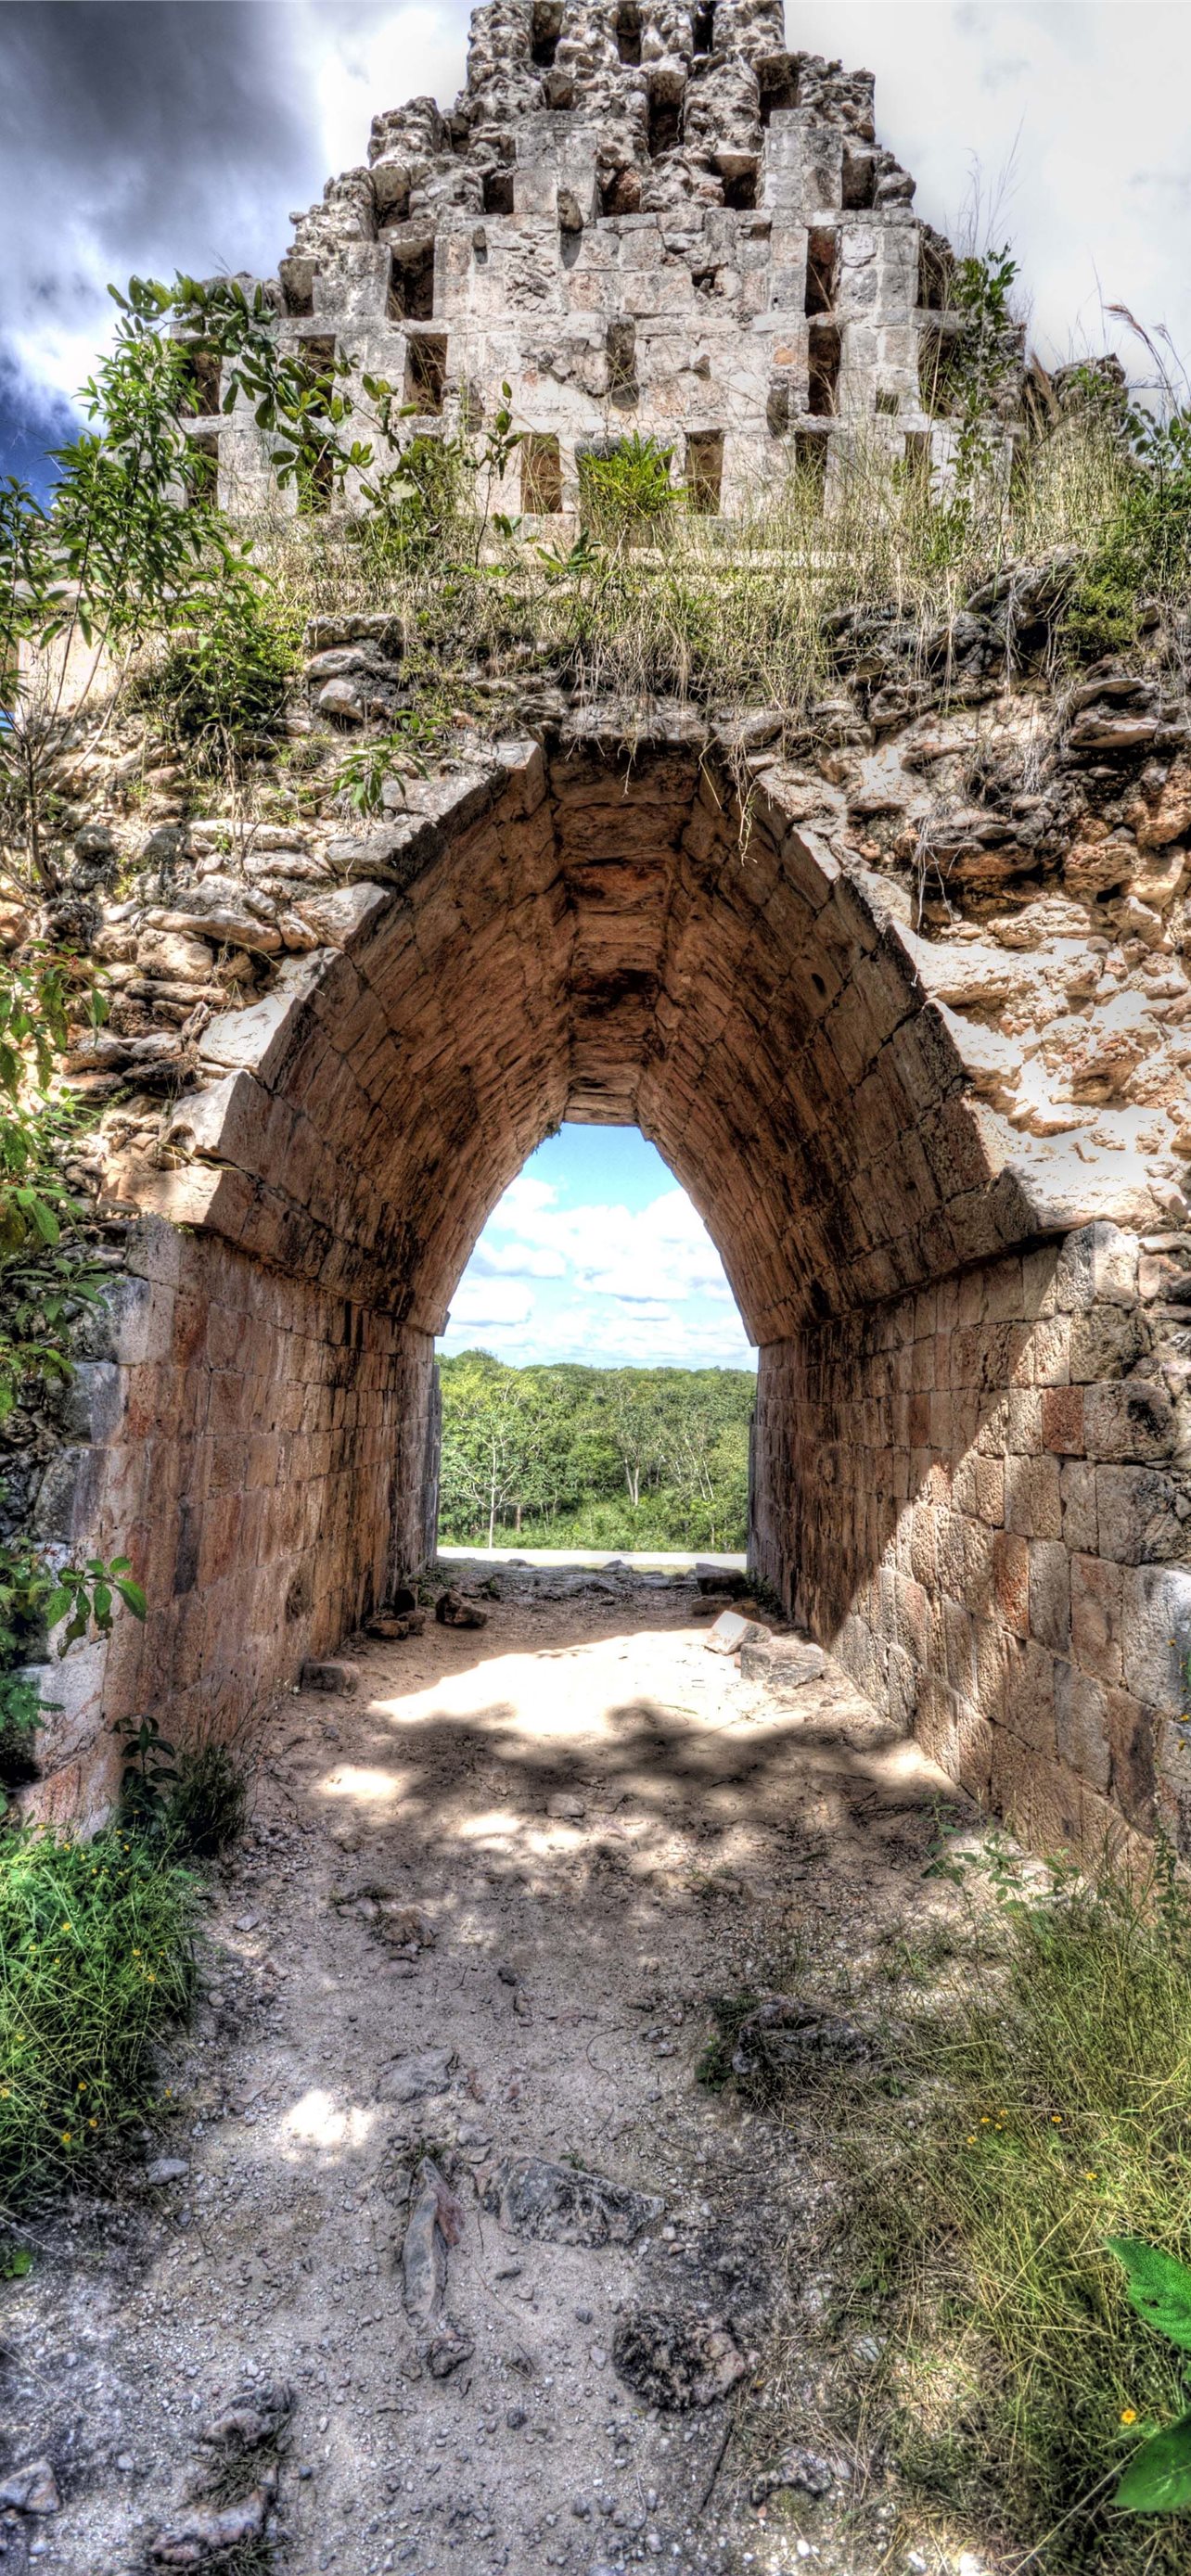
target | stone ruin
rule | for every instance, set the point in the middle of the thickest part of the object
(640, 218)
(900, 991)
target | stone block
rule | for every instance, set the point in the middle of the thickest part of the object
(1104, 1342)
(1033, 1497)
(1136, 1518)
(1029, 1693)
(1133, 1731)
(783, 1665)
(1135, 1421)
(1050, 1594)
(1077, 1492)
(1096, 1611)
(1156, 1634)
(1062, 1419)
(1081, 1723)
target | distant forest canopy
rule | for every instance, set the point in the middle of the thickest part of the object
(564, 1456)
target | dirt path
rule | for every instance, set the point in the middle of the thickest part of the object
(477, 1919)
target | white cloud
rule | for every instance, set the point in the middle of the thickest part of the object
(491, 1260)
(478, 1302)
(639, 1286)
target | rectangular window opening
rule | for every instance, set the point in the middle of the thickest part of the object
(498, 191)
(316, 483)
(298, 285)
(888, 403)
(810, 463)
(541, 474)
(705, 471)
(664, 119)
(859, 178)
(938, 368)
(411, 285)
(202, 468)
(621, 345)
(741, 191)
(822, 260)
(202, 370)
(825, 354)
(932, 274)
(917, 449)
(703, 30)
(425, 371)
(779, 88)
(628, 32)
(545, 30)
(316, 473)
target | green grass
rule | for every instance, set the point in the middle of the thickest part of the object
(95, 1961)
(1055, 2065)
(722, 611)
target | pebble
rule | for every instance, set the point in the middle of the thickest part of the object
(515, 2417)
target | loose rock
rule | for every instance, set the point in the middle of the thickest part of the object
(563, 2205)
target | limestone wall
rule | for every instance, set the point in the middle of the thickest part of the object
(979, 1496)
(641, 218)
(259, 1448)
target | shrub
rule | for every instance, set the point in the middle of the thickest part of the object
(221, 683)
(95, 1960)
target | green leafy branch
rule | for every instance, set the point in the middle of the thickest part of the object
(1158, 2478)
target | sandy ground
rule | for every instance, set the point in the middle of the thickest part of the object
(597, 1823)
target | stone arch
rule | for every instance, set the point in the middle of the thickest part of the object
(595, 931)
(628, 928)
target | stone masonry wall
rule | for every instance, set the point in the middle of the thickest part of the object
(642, 218)
(974, 1494)
(258, 1448)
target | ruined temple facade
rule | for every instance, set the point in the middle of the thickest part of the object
(639, 218)
(940, 1138)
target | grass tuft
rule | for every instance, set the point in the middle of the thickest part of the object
(1016, 2378)
(96, 1959)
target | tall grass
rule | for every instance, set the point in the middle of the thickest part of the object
(725, 611)
(95, 1960)
(1016, 2378)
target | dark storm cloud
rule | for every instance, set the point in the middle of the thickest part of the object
(137, 122)
(137, 137)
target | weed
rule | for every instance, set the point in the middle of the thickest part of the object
(221, 683)
(95, 1959)
(208, 1804)
(1056, 2066)
(713, 2066)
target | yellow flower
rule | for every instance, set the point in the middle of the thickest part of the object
(1056, 2119)
(82, 2085)
(1128, 2414)
(66, 2137)
(984, 2120)
(1091, 2175)
(5, 2090)
(66, 1927)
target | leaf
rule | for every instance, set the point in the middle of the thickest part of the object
(1159, 2287)
(1158, 2478)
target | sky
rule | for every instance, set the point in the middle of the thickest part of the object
(594, 1253)
(154, 135)
(151, 135)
